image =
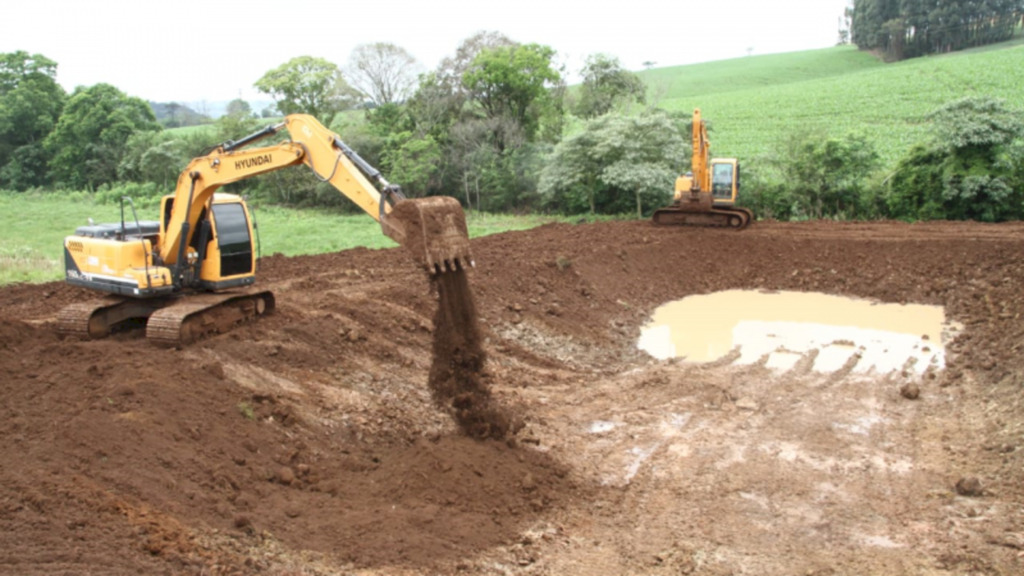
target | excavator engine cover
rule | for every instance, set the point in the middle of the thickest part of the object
(433, 229)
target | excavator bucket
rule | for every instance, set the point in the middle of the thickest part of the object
(433, 229)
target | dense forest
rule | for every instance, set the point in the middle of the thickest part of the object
(496, 126)
(909, 28)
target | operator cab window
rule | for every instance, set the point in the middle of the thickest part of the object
(233, 238)
(721, 181)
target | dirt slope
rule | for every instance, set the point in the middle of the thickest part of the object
(308, 443)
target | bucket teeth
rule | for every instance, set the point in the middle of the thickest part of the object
(454, 264)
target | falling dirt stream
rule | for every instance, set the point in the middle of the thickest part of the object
(457, 378)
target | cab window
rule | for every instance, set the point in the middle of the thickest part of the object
(721, 181)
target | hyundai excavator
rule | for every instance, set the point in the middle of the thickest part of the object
(706, 196)
(191, 273)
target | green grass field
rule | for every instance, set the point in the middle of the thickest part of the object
(33, 227)
(756, 104)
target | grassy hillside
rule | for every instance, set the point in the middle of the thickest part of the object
(740, 74)
(756, 103)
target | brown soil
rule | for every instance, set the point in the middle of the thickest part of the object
(310, 442)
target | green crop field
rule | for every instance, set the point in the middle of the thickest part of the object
(756, 104)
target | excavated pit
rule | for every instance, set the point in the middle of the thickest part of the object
(312, 442)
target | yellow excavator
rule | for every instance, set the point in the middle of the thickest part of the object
(191, 273)
(706, 196)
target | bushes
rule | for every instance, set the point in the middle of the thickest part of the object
(970, 171)
(145, 195)
(817, 176)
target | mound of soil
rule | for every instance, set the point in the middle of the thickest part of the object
(321, 439)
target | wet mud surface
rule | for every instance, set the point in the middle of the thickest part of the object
(313, 441)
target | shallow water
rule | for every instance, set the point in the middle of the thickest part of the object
(781, 328)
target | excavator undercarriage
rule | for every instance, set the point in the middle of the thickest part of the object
(168, 320)
(678, 215)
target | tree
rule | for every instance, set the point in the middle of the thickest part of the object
(384, 73)
(605, 84)
(616, 164)
(91, 137)
(238, 122)
(908, 28)
(451, 69)
(308, 85)
(827, 176)
(481, 152)
(30, 104)
(642, 153)
(515, 82)
(26, 168)
(764, 189)
(239, 108)
(413, 161)
(435, 106)
(978, 123)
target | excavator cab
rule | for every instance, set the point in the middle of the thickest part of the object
(725, 181)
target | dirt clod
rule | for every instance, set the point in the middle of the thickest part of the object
(286, 476)
(910, 391)
(969, 486)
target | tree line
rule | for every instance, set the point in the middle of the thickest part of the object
(910, 28)
(496, 126)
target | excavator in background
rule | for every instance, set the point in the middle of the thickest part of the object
(191, 273)
(706, 196)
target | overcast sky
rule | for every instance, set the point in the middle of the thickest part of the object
(192, 50)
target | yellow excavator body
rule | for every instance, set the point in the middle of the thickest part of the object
(190, 273)
(707, 194)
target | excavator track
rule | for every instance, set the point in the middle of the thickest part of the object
(98, 318)
(169, 321)
(202, 315)
(736, 218)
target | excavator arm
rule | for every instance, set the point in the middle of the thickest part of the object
(701, 153)
(433, 229)
(202, 178)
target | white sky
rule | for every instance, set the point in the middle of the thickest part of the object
(192, 50)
